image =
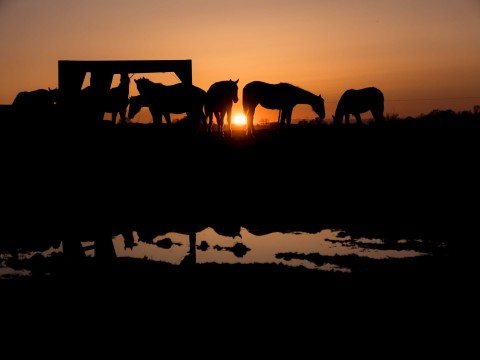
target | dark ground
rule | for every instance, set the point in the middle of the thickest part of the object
(407, 179)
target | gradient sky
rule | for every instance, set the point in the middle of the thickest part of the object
(423, 54)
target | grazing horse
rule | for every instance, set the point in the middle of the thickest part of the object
(137, 102)
(359, 101)
(220, 98)
(174, 99)
(282, 96)
(40, 102)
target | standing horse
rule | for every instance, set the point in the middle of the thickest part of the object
(95, 102)
(117, 99)
(282, 96)
(174, 99)
(220, 98)
(37, 103)
(359, 101)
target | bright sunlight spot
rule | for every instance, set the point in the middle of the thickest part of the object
(239, 119)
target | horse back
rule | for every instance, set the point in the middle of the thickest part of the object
(362, 100)
(270, 96)
(221, 95)
(35, 98)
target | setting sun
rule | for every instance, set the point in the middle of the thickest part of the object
(239, 119)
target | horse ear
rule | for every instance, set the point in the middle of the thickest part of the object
(236, 82)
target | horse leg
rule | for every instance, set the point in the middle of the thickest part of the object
(222, 121)
(249, 111)
(378, 116)
(157, 118)
(229, 120)
(209, 121)
(288, 116)
(283, 115)
(123, 115)
(250, 128)
(168, 121)
(219, 119)
(347, 118)
(358, 118)
(203, 119)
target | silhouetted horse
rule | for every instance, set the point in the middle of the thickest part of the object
(117, 100)
(359, 101)
(282, 96)
(220, 98)
(37, 103)
(93, 103)
(174, 99)
(139, 101)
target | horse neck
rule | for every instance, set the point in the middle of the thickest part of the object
(151, 88)
(143, 101)
(302, 96)
(124, 85)
(223, 90)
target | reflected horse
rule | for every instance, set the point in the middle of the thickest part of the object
(174, 99)
(37, 103)
(220, 98)
(283, 97)
(359, 101)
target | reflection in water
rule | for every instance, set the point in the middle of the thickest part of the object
(8, 272)
(212, 247)
(323, 250)
(154, 213)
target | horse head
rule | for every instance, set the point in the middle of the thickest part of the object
(54, 95)
(134, 106)
(319, 107)
(234, 89)
(144, 85)
(124, 79)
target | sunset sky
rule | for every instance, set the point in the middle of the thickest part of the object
(423, 54)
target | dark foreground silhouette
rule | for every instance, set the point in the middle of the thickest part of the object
(398, 181)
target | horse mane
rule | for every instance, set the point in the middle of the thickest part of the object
(219, 87)
(145, 85)
(291, 86)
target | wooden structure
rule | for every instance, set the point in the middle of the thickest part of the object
(71, 75)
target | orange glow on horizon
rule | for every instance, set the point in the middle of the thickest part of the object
(420, 62)
(239, 119)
